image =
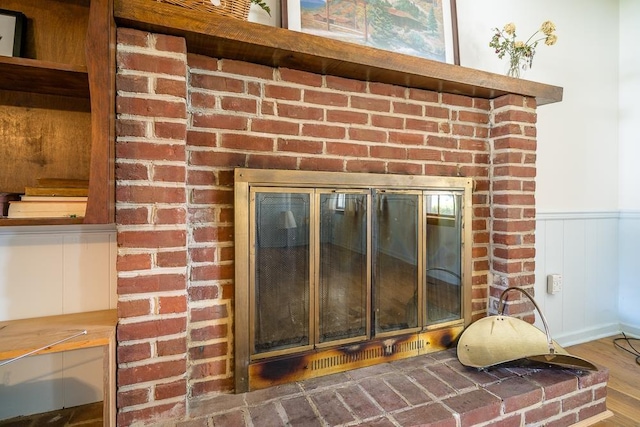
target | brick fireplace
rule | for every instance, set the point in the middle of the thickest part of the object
(186, 121)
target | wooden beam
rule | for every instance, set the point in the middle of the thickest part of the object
(221, 37)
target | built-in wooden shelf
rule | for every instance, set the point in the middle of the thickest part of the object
(64, 332)
(221, 37)
(9, 222)
(58, 104)
(32, 75)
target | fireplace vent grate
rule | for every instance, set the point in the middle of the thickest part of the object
(369, 354)
(270, 372)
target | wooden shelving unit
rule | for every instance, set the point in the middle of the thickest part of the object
(53, 334)
(32, 75)
(57, 103)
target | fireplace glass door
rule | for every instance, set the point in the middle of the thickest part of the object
(444, 246)
(332, 267)
(343, 275)
(397, 260)
(282, 302)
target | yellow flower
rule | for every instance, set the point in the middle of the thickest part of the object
(519, 44)
(551, 40)
(510, 28)
(548, 27)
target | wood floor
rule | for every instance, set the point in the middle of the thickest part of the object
(623, 391)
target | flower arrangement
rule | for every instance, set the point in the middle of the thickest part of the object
(521, 53)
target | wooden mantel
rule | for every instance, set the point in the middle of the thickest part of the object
(221, 37)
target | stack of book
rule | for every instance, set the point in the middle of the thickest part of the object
(52, 198)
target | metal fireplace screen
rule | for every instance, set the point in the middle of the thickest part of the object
(322, 266)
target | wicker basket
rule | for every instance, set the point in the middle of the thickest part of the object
(238, 9)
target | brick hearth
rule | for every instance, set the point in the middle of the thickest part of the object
(434, 390)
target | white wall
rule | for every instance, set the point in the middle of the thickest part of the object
(629, 112)
(578, 137)
(588, 204)
(629, 173)
(46, 271)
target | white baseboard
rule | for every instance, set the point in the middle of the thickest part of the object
(631, 330)
(589, 334)
(58, 229)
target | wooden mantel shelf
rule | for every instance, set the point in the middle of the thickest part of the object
(221, 37)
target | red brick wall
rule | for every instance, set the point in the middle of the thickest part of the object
(185, 121)
(155, 297)
(512, 205)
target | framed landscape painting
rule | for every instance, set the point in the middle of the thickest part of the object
(423, 28)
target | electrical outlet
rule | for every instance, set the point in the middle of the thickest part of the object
(554, 283)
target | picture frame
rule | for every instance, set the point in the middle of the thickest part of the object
(12, 30)
(422, 28)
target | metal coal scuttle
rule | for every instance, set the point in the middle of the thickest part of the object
(501, 340)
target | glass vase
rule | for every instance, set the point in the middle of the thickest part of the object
(513, 69)
(517, 66)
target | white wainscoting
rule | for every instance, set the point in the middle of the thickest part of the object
(584, 249)
(52, 270)
(629, 272)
